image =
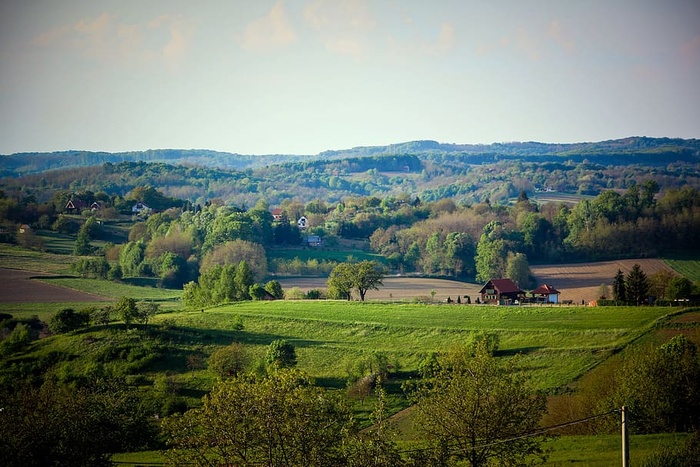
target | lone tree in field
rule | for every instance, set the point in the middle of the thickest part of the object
(368, 276)
(362, 276)
(474, 409)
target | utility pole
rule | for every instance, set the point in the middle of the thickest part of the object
(625, 439)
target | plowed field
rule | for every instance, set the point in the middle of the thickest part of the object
(19, 287)
(581, 282)
(576, 282)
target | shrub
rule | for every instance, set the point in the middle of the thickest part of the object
(67, 320)
(281, 354)
(229, 361)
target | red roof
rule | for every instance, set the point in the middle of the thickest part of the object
(545, 289)
(502, 286)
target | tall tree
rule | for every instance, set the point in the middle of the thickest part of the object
(368, 276)
(340, 281)
(282, 419)
(474, 405)
(491, 253)
(637, 284)
(619, 289)
(518, 270)
(242, 281)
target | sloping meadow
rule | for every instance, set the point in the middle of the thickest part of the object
(556, 344)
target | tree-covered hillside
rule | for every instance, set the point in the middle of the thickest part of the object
(495, 173)
(633, 150)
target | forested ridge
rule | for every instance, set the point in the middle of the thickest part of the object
(431, 171)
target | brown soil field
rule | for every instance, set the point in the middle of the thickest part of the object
(578, 282)
(398, 288)
(19, 287)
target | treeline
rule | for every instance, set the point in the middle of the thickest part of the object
(434, 238)
(495, 173)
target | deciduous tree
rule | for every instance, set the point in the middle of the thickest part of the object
(474, 404)
(282, 419)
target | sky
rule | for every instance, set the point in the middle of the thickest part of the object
(304, 76)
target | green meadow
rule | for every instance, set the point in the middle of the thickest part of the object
(557, 345)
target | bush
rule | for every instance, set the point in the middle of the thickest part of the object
(68, 319)
(16, 341)
(295, 293)
(229, 361)
(281, 354)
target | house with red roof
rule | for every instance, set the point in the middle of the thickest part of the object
(501, 292)
(545, 293)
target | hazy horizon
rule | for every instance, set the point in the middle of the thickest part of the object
(307, 76)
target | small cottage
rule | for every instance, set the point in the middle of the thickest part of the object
(277, 214)
(501, 292)
(545, 293)
(312, 240)
(140, 208)
(75, 205)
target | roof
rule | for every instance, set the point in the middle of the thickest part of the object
(545, 289)
(502, 286)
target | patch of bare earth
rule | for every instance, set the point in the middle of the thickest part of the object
(19, 287)
(398, 288)
(580, 282)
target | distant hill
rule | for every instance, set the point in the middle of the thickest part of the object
(633, 150)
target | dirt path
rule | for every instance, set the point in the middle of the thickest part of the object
(18, 287)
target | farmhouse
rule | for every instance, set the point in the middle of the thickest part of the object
(545, 293)
(501, 292)
(75, 205)
(140, 208)
(312, 240)
(277, 214)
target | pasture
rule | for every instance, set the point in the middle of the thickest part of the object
(556, 344)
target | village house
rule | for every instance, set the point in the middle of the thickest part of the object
(75, 205)
(140, 208)
(501, 292)
(545, 293)
(312, 240)
(277, 214)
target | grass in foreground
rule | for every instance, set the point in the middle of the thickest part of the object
(589, 451)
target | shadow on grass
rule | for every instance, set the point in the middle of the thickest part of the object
(517, 351)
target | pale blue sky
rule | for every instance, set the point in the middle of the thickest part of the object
(303, 76)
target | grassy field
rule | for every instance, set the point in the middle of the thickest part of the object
(14, 257)
(557, 344)
(115, 289)
(579, 451)
(688, 266)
